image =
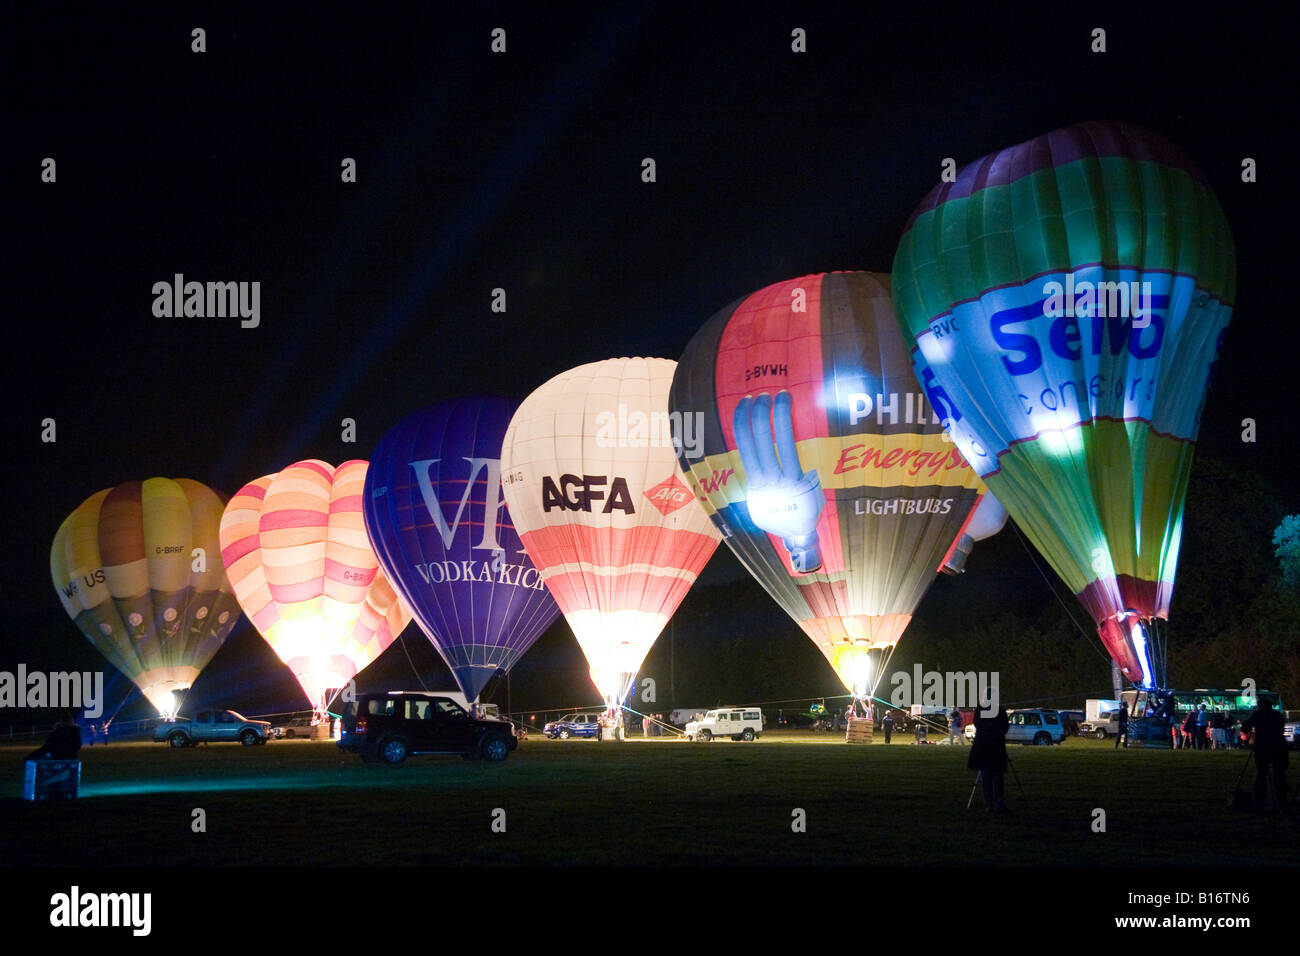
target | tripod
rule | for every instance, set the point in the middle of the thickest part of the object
(980, 776)
(1269, 779)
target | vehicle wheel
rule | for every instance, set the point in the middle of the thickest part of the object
(704, 736)
(1042, 738)
(178, 740)
(494, 748)
(288, 735)
(747, 735)
(248, 738)
(564, 735)
(1100, 733)
(394, 750)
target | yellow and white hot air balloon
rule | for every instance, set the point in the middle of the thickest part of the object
(138, 568)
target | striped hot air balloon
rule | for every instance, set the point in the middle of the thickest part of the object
(1067, 298)
(822, 463)
(302, 567)
(138, 567)
(590, 478)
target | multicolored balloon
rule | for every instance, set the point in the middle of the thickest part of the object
(1067, 298)
(821, 462)
(438, 522)
(302, 567)
(590, 477)
(138, 568)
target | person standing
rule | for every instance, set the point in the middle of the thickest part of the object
(1271, 757)
(988, 755)
(1123, 726)
(955, 734)
(1202, 727)
(889, 725)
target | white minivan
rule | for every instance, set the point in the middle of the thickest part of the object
(738, 723)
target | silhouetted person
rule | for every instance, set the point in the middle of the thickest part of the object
(1270, 751)
(1202, 727)
(889, 726)
(988, 755)
(63, 743)
(1123, 727)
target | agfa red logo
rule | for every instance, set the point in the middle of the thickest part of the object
(669, 495)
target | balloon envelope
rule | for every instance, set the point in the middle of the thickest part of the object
(302, 567)
(437, 519)
(590, 477)
(127, 571)
(821, 463)
(1067, 298)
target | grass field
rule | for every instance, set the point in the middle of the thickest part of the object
(642, 803)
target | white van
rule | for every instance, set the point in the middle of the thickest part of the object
(738, 723)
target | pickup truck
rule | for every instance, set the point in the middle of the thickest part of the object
(212, 725)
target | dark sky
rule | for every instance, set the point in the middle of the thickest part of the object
(522, 171)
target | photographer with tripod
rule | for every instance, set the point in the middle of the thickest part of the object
(1270, 752)
(988, 755)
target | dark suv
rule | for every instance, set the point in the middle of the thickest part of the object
(393, 725)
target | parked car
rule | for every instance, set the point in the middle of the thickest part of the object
(573, 725)
(211, 726)
(1291, 729)
(738, 723)
(296, 727)
(394, 725)
(1040, 727)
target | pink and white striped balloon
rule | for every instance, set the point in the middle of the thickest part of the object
(296, 551)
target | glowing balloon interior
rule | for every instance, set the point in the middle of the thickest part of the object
(590, 478)
(138, 567)
(302, 567)
(1067, 298)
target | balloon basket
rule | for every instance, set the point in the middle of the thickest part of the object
(860, 730)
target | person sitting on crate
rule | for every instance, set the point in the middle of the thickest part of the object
(63, 743)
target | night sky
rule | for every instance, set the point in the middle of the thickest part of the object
(522, 171)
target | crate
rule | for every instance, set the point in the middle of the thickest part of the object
(52, 780)
(860, 730)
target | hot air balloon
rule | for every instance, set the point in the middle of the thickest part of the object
(822, 464)
(138, 567)
(1067, 298)
(438, 522)
(302, 567)
(590, 478)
